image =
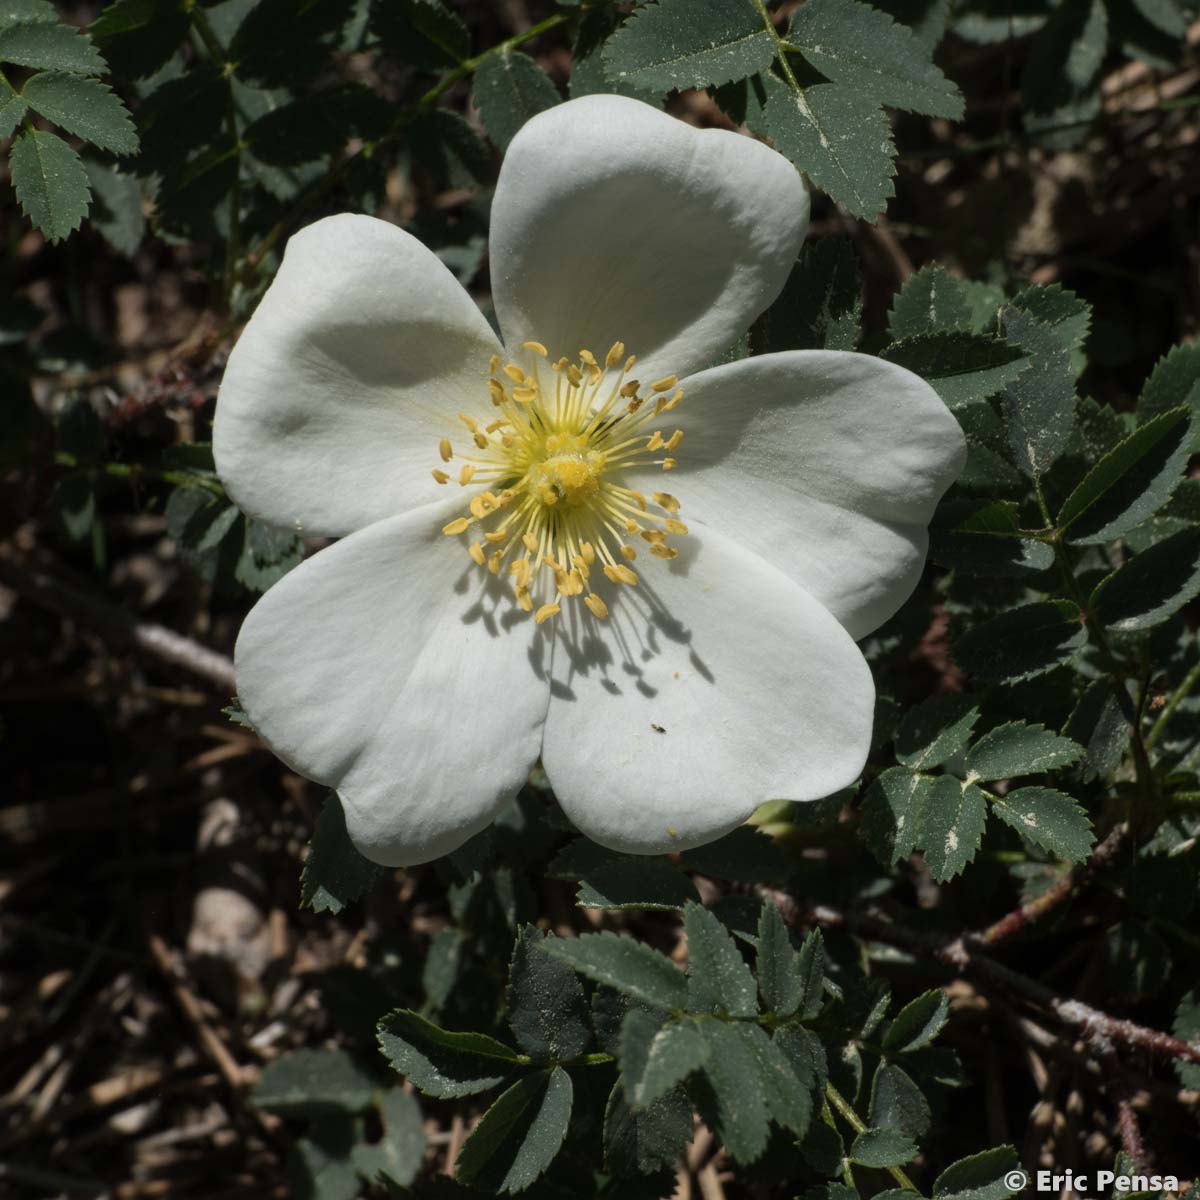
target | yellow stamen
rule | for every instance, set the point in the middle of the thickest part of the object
(466, 474)
(514, 373)
(596, 605)
(440, 476)
(660, 551)
(667, 501)
(629, 552)
(476, 552)
(457, 526)
(537, 348)
(665, 384)
(546, 612)
(445, 450)
(674, 526)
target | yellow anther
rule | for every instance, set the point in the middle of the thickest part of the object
(588, 551)
(493, 363)
(494, 561)
(672, 442)
(580, 565)
(638, 498)
(558, 366)
(656, 441)
(616, 352)
(598, 607)
(458, 525)
(469, 422)
(621, 574)
(665, 384)
(546, 612)
(668, 464)
(629, 363)
(635, 404)
(552, 564)
(491, 500)
(524, 395)
(661, 551)
(445, 450)
(667, 501)
(466, 474)
(629, 389)
(674, 401)
(576, 583)
(499, 423)
(574, 374)
(629, 552)
(476, 552)
(482, 442)
(496, 392)
(631, 525)
(588, 357)
(674, 526)
(441, 476)
(514, 373)
(531, 542)
(479, 509)
(654, 535)
(537, 348)
(497, 535)
(524, 599)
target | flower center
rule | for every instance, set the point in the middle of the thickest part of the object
(551, 503)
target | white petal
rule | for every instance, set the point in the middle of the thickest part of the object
(348, 374)
(387, 668)
(830, 464)
(614, 222)
(714, 685)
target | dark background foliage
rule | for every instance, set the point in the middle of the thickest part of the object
(981, 957)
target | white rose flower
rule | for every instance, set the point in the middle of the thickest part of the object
(513, 579)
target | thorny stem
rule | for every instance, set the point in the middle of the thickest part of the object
(468, 66)
(859, 1126)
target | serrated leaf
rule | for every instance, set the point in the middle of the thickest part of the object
(1175, 380)
(85, 107)
(510, 88)
(788, 1098)
(13, 12)
(1048, 818)
(778, 965)
(1130, 482)
(655, 1058)
(12, 108)
(841, 138)
(50, 183)
(1022, 642)
(138, 37)
(1059, 310)
(1019, 749)
(1152, 586)
(117, 207)
(631, 967)
(882, 1148)
(632, 883)
(719, 981)
(398, 1153)
(897, 1102)
(334, 874)
(1166, 15)
(962, 367)
(935, 730)
(638, 1142)
(821, 303)
(986, 539)
(980, 1177)
(304, 1082)
(741, 1108)
(918, 1022)
(891, 813)
(50, 47)
(1040, 403)
(520, 1135)
(426, 33)
(930, 301)
(1066, 56)
(1099, 721)
(952, 822)
(811, 968)
(441, 1062)
(689, 43)
(745, 855)
(864, 49)
(547, 1010)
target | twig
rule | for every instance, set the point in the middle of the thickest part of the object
(963, 957)
(41, 588)
(1035, 909)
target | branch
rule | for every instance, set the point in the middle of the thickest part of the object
(114, 623)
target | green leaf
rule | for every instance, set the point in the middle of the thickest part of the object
(655, 1057)
(1040, 404)
(891, 813)
(811, 968)
(1167, 15)
(821, 303)
(12, 108)
(50, 47)
(897, 1102)
(882, 1148)
(138, 37)
(1022, 642)
(962, 367)
(1099, 721)
(1187, 1027)
(638, 1142)
(864, 49)
(440, 1062)
(426, 33)
(1130, 482)
(629, 882)
(1020, 749)
(745, 855)
(631, 967)
(935, 730)
(547, 1010)
(689, 43)
(986, 539)
(1049, 819)
(719, 981)
(741, 1108)
(398, 1153)
(841, 138)
(1152, 586)
(980, 1177)
(305, 1082)
(117, 207)
(520, 1135)
(918, 1022)
(952, 822)
(1065, 56)
(778, 965)
(50, 183)
(510, 88)
(74, 503)
(85, 107)
(335, 874)
(788, 1099)
(930, 301)
(13, 12)
(1175, 380)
